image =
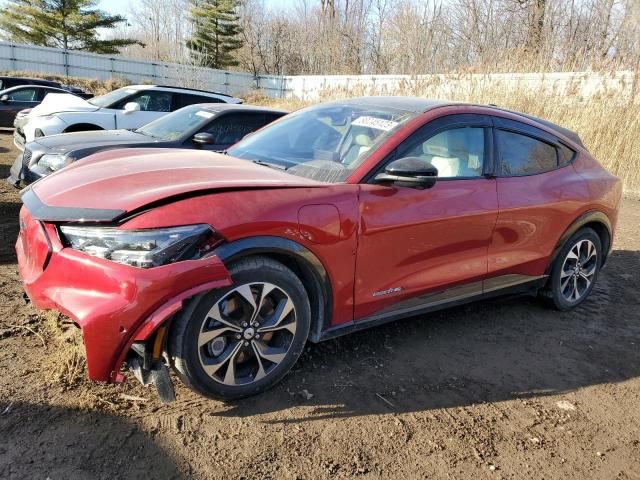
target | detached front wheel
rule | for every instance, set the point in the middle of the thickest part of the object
(241, 340)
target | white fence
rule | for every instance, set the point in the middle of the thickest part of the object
(16, 57)
(30, 58)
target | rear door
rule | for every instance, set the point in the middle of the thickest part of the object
(416, 244)
(536, 194)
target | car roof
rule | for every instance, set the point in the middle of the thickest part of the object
(226, 107)
(180, 89)
(44, 80)
(410, 104)
(419, 105)
(16, 87)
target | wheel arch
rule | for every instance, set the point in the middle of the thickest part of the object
(301, 261)
(82, 127)
(594, 219)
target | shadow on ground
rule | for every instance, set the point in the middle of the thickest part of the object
(76, 445)
(484, 352)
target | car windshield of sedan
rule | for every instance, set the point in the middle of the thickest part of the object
(176, 124)
(108, 99)
(325, 142)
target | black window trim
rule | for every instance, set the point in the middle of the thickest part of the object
(459, 120)
(525, 130)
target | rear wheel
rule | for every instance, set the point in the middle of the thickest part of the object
(575, 270)
(243, 339)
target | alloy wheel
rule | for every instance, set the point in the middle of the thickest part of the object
(247, 333)
(578, 270)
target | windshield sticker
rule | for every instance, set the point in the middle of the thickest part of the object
(204, 114)
(373, 122)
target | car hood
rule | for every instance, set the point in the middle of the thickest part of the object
(107, 185)
(67, 142)
(61, 102)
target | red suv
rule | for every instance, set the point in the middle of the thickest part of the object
(336, 218)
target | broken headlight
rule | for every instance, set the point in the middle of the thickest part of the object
(142, 248)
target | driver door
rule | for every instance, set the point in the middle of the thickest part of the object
(417, 246)
(153, 104)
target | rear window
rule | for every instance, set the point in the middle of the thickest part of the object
(523, 155)
(185, 99)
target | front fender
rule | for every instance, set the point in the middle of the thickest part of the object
(163, 313)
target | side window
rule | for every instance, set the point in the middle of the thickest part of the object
(230, 128)
(458, 152)
(24, 95)
(44, 91)
(184, 99)
(523, 155)
(565, 155)
(150, 101)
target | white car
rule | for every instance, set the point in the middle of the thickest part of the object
(126, 108)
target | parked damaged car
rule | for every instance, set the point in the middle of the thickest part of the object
(336, 218)
(209, 126)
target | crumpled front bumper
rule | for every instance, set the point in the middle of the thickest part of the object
(20, 173)
(113, 304)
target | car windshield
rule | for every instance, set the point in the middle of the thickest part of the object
(324, 142)
(108, 99)
(176, 124)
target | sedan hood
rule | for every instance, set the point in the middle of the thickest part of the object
(61, 102)
(66, 142)
(105, 186)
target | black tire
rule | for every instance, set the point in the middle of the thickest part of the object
(555, 292)
(187, 357)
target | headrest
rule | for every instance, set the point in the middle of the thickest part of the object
(362, 140)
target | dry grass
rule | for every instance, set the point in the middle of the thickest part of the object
(65, 360)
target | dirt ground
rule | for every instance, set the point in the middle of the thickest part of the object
(500, 389)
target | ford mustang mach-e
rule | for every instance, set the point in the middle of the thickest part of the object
(335, 218)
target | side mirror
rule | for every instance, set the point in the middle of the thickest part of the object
(4, 98)
(203, 138)
(410, 172)
(131, 107)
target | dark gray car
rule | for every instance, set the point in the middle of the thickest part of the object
(211, 126)
(14, 99)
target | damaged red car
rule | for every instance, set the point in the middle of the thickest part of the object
(336, 218)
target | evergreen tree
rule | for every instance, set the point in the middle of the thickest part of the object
(68, 24)
(216, 32)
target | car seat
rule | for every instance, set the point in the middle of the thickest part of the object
(436, 150)
(361, 143)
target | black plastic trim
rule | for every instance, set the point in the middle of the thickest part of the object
(283, 246)
(527, 287)
(43, 212)
(592, 216)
